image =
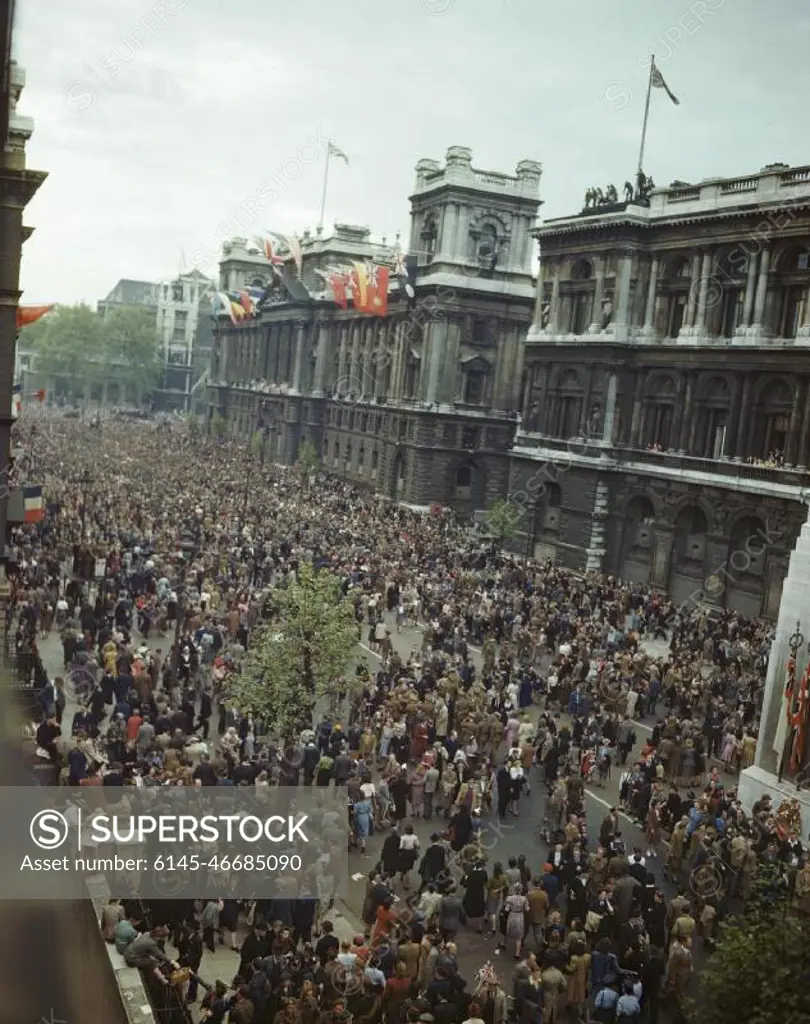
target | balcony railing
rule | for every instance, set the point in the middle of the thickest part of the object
(739, 185)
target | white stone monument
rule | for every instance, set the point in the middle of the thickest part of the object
(794, 616)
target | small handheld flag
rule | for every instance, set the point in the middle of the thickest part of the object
(337, 153)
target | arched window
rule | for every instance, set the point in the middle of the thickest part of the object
(581, 271)
(336, 454)
(487, 246)
(257, 283)
(464, 476)
(714, 414)
(658, 431)
(429, 236)
(790, 295)
(674, 286)
(567, 405)
(776, 403)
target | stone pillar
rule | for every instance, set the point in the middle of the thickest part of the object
(804, 437)
(610, 411)
(635, 423)
(734, 418)
(804, 326)
(298, 360)
(353, 370)
(794, 609)
(703, 295)
(799, 402)
(598, 295)
(554, 311)
(438, 339)
(322, 354)
(538, 302)
(691, 306)
(750, 290)
(740, 446)
(762, 289)
(585, 412)
(662, 555)
(683, 440)
(596, 547)
(621, 314)
(450, 230)
(652, 287)
(341, 384)
(449, 363)
(542, 400)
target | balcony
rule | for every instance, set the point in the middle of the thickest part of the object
(692, 468)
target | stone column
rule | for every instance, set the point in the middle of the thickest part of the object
(804, 437)
(598, 295)
(341, 382)
(542, 400)
(621, 299)
(652, 287)
(804, 326)
(538, 302)
(450, 230)
(703, 295)
(683, 440)
(322, 353)
(794, 609)
(438, 339)
(694, 284)
(585, 412)
(799, 403)
(554, 312)
(762, 288)
(635, 423)
(734, 418)
(597, 546)
(353, 370)
(750, 289)
(610, 411)
(740, 447)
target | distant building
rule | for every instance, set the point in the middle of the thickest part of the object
(184, 335)
(420, 404)
(665, 434)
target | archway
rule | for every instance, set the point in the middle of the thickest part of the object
(398, 478)
(744, 574)
(638, 538)
(546, 528)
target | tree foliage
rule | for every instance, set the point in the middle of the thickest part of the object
(758, 972)
(78, 345)
(308, 456)
(294, 661)
(502, 521)
(218, 425)
(257, 443)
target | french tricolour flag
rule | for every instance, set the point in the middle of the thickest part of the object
(33, 504)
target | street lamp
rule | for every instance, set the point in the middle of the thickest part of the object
(189, 544)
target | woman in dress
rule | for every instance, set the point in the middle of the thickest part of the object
(729, 751)
(416, 779)
(475, 896)
(578, 969)
(516, 907)
(362, 822)
(496, 890)
(653, 829)
(408, 854)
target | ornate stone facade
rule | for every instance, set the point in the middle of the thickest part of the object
(420, 405)
(671, 341)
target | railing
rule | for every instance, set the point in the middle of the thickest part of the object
(683, 195)
(741, 470)
(493, 178)
(798, 176)
(739, 185)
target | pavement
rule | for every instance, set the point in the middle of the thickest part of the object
(501, 840)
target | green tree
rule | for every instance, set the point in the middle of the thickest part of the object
(502, 521)
(293, 661)
(308, 456)
(218, 425)
(70, 344)
(758, 970)
(257, 443)
(131, 348)
(193, 424)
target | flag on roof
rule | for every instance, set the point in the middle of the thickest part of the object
(294, 245)
(246, 302)
(271, 253)
(359, 278)
(30, 314)
(338, 153)
(33, 505)
(378, 291)
(405, 273)
(657, 80)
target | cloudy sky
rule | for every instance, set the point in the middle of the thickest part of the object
(159, 123)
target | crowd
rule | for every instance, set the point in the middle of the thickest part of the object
(190, 560)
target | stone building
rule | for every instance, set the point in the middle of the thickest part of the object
(420, 404)
(665, 427)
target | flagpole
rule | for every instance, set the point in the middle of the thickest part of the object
(325, 181)
(646, 115)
